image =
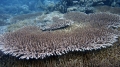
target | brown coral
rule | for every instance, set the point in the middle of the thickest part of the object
(104, 19)
(95, 19)
(31, 42)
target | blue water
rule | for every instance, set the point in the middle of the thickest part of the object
(17, 6)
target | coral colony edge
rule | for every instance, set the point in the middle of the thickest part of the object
(73, 31)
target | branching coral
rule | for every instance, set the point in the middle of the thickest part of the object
(95, 19)
(104, 19)
(31, 42)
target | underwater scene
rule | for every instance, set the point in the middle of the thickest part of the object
(59, 33)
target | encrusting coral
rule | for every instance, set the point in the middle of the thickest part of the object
(92, 32)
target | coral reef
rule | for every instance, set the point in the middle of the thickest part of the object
(82, 5)
(64, 6)
(47, 5)
(105, 20)
(24, 7)
(102, 19)
(86, 33)
(62, 35)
